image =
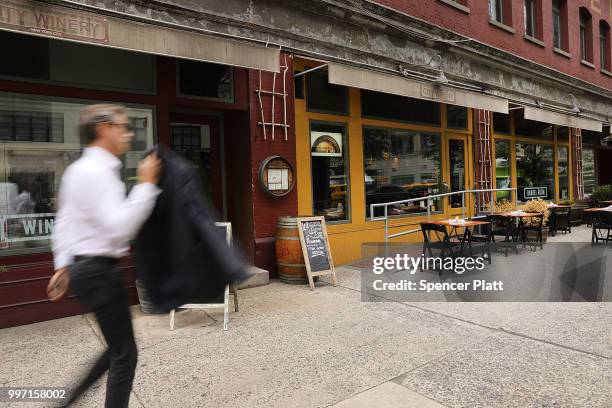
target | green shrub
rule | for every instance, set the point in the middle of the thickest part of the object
(602, 193)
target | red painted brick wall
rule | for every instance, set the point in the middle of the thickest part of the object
(476, 25)
(267, 209)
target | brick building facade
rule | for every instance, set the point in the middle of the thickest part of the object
(418, 96)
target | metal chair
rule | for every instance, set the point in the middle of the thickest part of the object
(560, 220)
(436, 237)
(503, 226)
(602, 227)
(482, 239)
(534, 224)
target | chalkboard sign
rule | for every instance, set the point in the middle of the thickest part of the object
(315, 247)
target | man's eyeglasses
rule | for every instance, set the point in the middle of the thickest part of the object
(128, 126)
(107, 118)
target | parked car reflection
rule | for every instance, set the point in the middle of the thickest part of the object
(389, 193)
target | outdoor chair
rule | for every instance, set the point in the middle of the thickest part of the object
(560, 220)
(502, 226)
(436, 238)
(481, 239)
(535, 225)
(602, 227)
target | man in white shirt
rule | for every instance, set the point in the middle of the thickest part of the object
(94, 224)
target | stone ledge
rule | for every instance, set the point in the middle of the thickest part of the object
(502, 26)
(261, 278)
(535, 40)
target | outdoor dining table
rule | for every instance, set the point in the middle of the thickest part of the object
(468, 227)
(520, 217)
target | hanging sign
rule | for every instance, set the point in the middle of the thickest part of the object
(315, 247)
(535, 192)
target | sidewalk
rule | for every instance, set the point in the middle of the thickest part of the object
(290, 347)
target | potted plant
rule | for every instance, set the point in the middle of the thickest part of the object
(577, 214)
(602, 193)
(500, 206)
(536, 206)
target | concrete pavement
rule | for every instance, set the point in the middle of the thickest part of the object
(290, 347)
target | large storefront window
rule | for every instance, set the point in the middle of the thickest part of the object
(378, 105)
(55, 61)
(456, 117)
(588, 170)
(321, 96)
(330, 181)
(38, 140)
(456, 156)
(503, 170)
(401, 164)
(205, 80)
(502, 123)
(563, 134)
(534, 171)
(532, 128)
(563, 167)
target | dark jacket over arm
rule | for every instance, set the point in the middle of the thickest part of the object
(181, 256)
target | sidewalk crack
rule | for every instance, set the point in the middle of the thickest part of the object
(93, 328)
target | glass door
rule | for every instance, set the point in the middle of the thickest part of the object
(458, 172)
(197, 138)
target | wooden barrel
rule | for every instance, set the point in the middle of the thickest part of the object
(291, 267)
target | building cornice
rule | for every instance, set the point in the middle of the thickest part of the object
(354, 35)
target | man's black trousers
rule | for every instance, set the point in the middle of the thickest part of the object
(98, 283)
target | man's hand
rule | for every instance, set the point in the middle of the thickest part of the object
(148, 169)
(58, 284)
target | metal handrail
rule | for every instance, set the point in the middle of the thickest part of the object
(429, 198)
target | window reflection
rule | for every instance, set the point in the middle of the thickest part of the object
(329, 161)
(503, 170)
(457, 117)
(321, 96)
(399, 165)
(588, 170)
(456, 152)
(563, 166)
(205, 80)
(378, 105)
(38, 140)
(534, 171)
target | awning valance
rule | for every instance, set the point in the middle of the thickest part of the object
(183, 44)
(562, 119)
(397, 85)
(65, 23)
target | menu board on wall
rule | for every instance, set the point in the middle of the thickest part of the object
(315, 247)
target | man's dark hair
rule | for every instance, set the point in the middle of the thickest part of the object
(92, 115)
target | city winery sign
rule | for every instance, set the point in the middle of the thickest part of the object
(438, 93)
(16, 228)
(52, 21)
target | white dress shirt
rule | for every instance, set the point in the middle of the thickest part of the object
(94, 217)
